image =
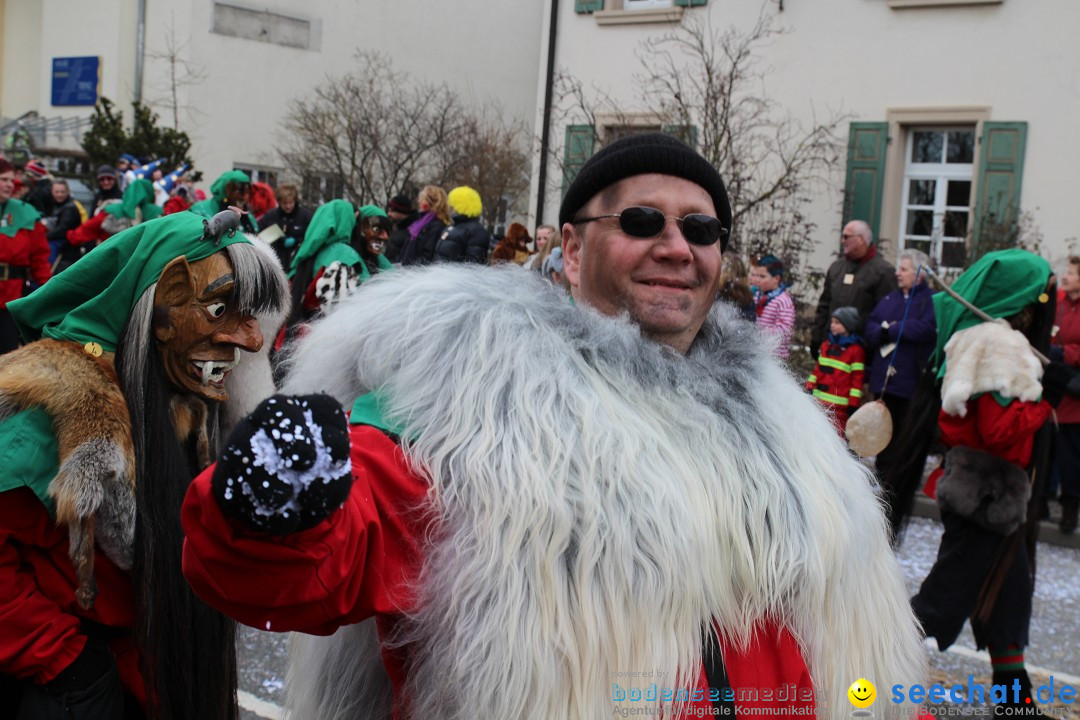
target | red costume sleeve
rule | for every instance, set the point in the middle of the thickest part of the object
(357, 563)
(89, 231)
(311, 300)
(38, 638)
(40, 269)
(1012, 426)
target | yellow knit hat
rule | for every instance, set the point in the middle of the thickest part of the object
(465, 201)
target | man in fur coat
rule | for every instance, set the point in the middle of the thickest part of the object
(139, 360)
(631, 531)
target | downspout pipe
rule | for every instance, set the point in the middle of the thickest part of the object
(140, 47)
(545, 132)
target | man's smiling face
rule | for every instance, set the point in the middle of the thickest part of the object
(666, 284)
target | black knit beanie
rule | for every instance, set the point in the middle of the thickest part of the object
(640, 155)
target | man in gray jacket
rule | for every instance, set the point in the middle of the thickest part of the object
(859, 279)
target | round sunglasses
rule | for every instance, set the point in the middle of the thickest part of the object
(647, 222)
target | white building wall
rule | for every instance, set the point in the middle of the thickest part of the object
(20, 57)
(241, 103)
(482, 50)
(1019, 58)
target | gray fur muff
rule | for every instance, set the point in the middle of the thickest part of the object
(602, 499)
(984, 488)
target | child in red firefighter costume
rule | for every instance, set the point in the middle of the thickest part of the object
(837, 379)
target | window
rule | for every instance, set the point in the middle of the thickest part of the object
(265, 26)
(645, 4)
(317, 189)
(935, 212)
(259, 173)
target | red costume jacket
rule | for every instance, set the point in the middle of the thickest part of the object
(1005, 431)
(1068, 337)
(359, 563)
(39, 618)
(26, 249)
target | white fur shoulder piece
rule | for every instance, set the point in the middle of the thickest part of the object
(988, 357)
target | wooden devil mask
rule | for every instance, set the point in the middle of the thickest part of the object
(198, 328)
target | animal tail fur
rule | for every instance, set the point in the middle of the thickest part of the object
(96, 472)
(338, 677)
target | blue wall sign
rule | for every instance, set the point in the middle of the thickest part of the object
(76, 80)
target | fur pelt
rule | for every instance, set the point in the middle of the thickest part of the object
(985, 488)
(988, 357)
(599, 509)
(94, 488)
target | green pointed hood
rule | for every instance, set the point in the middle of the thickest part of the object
(1000, 284)
(93, 301)
(139, 194)
(327, 237)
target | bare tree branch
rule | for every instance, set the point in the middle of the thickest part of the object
(179, 74)
(382, 133)
(712, 79)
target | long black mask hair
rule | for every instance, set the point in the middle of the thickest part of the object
(187, 649)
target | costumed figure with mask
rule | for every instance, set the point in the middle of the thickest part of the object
(369, 239)
(986, 398)
(140, 359)
(325, 268)
(564, 544)
(231, 189)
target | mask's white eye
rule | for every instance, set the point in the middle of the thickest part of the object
(216, 309)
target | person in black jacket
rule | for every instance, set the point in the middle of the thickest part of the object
(292, 218)
(425, 231)
(859, 279)
(37, 178)
(401, 212)
(108, 187)
(65, 216)
(466, 240)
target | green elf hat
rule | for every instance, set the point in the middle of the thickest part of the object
(15, 215)
(217, 190)
(91, 304)
(327, 237)
(367, 211)
(139, 194)
(1000, 284)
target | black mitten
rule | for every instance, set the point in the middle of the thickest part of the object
(1059, 380)
(286, 466)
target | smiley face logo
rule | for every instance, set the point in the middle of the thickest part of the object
(862, 693)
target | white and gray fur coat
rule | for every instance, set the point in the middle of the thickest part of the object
(601, 499)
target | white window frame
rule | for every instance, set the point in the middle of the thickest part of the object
(942, 173)
(638, 12)
(636, 5)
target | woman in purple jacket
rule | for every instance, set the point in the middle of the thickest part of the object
(911, 353)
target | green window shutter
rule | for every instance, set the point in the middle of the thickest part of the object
(580, 140)
(1001, 167)
(864, 184)
(686, 133)
(588, 6)
(690, 3)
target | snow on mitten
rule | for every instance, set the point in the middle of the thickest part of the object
(286, 466)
